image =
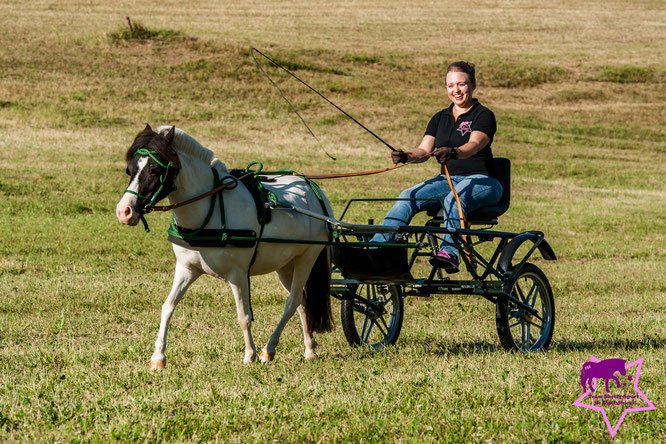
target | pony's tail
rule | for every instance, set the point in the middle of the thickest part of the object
(317, 295)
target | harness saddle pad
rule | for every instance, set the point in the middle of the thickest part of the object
(259, 193)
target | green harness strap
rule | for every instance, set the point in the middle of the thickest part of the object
(263, 193)
(173, 229)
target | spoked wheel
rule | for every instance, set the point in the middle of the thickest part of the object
(374, 317)
(518, 329)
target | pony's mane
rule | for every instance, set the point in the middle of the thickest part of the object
(183, 142)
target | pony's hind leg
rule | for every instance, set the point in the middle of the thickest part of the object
(293, 278)
(308, 338)
(240, 286)
(183, 278)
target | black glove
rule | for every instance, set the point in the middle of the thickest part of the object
(398, 156)
(445, 154)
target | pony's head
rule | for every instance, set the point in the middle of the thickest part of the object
(152, 164)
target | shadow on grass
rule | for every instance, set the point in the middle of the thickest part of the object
(444, 347)
(646, 342)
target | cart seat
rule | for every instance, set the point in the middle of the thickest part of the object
(488, 215)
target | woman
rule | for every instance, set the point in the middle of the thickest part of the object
(459, 136)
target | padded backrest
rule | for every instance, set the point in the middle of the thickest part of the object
(503, 174)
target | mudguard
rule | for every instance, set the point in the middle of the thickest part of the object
(508, 252)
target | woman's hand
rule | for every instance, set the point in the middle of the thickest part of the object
(399, 156)
(445, 154)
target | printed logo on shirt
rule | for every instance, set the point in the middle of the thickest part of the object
(465, 127)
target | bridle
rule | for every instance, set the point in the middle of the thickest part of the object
(167, 183)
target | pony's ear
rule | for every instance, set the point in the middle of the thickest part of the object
(147, 128)
(169, 136)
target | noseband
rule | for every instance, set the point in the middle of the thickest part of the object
(167, 183)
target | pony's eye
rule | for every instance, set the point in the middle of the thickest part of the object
(127, 171)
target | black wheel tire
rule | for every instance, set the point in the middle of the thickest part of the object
(514, 326)
(373, 327)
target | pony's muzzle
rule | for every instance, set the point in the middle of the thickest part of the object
(126, 214)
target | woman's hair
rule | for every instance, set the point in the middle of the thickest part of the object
(466, 67)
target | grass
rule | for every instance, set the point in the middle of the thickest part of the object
(580, 112)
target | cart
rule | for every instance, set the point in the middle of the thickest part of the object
(372, 280)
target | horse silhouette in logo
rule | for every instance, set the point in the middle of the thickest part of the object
(465, 127)
(603, 369)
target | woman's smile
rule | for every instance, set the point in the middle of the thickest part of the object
(459, 89)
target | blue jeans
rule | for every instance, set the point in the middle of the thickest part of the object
(474, 192)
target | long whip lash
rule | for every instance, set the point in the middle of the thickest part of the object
(253, 50)
(285, 97)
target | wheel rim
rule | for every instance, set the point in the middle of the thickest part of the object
(530, 332)
(378, 323)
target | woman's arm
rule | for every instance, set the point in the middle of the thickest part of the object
(426, 147)
(477, 141)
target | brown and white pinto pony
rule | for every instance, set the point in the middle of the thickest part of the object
(303, 269)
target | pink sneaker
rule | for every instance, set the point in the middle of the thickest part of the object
(446, 261)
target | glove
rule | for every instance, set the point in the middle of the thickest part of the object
(398, 156)
(445, 154)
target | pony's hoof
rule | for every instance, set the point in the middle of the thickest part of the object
(311, 356)
(266, 357)
(157, 365)
(249, 358)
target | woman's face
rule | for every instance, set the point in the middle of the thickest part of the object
(459, 88)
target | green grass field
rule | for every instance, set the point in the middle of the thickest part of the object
(578, 89)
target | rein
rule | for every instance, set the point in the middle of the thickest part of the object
(364, 173)
(224, 185)
(152, 154)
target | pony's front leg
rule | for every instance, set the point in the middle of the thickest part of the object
(240, 286)
(182, 279)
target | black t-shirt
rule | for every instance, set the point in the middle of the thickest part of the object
(454, 133)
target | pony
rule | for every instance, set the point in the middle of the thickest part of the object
(170, 163)
(603, 369)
